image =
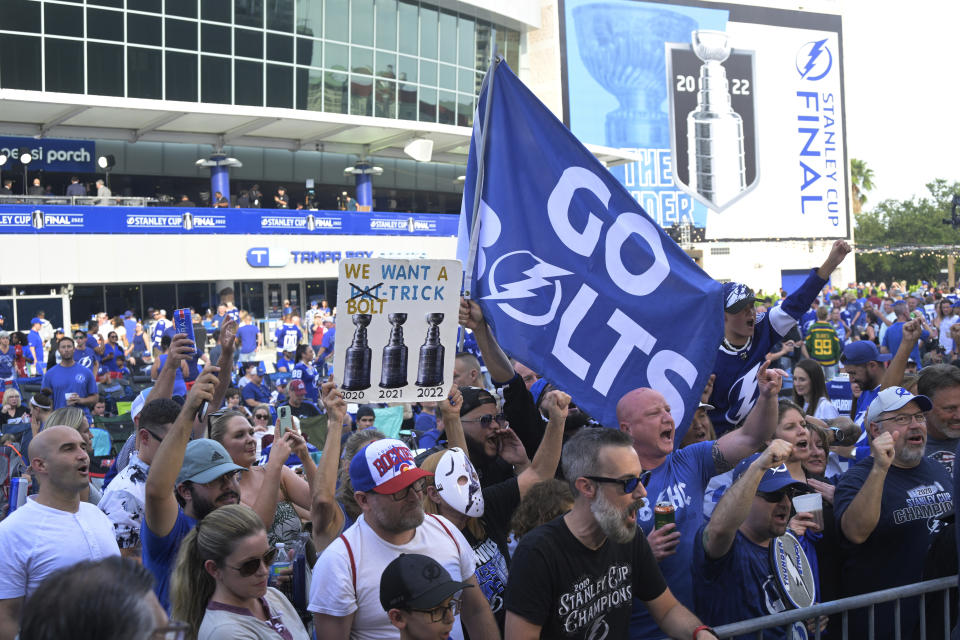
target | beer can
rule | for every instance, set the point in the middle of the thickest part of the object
(663, 514)
(183, 323)
(18, 493)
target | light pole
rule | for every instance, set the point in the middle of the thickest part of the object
(106, 163)
(3, 160)
(25, 157)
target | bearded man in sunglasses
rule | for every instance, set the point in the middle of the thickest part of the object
(495, 450)
(890, 507)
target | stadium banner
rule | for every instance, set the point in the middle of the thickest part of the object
(50, 154)
(735, 110)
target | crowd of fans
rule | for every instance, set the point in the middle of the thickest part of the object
(251, 500)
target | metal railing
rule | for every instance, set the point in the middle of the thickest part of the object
(114, 201)
(844, 606)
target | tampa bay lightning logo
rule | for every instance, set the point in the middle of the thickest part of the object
(743, 395)
(516, 275)
(814, 60)
(902, 392)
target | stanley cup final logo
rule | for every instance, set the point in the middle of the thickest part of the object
(712, 118)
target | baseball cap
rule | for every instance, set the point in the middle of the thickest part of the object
(298, 386)
(473, 397)
(128, 314)
(414, 581)
(862, 352)
(4, 334)
(736, 297)
(893, 398)
(205, 461)
(327, 319)
(773, 480)
(384, 466)
(36, 320)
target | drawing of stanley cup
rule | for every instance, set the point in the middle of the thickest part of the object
(430, 365)
(714, 129)
(393, 374)
(622, 47)
(356, 366)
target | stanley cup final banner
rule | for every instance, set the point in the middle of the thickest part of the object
(736, 112)
(574, 278)
(397, 326)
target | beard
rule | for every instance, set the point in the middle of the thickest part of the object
(405, 521)
(612, 521)
(202, 506)
(910, 456)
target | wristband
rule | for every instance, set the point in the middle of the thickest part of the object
(702, 627)
(838, 436)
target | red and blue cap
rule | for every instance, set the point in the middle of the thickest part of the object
(384, 466)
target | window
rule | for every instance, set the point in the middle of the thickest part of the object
(448, 77)
(387, 24)
(104, 25)
(153, 6)
(159, 296)
(182, 8)
(20, 62)
(335, 92)
(337, 26)
(448, 37)
(428, 73)
(251, 297)
(248, 13)
(407, 101)
(61, 20)
(408, 21)
(104, 69)
(336, 56)
(719, 251)
(215, 79)
(467, 56)
(428, 33)
(108, 3)
(279, 86)
(386, 99)
(64, 65)
(144, 73)
(280, 15)
(361, 60)
(408, 69)
(21, 15)
(361, 95)
(279, 48)
(181, 34)
(309, 52)
(248, 43)
(216, 10)
(215, 39)
(361, 22)
(428, 105)
(181, 76)
(386, 66)
(310, 18)
(248, 83)
(121, 297)
(143, 29)
(195, 295)
(447, 111)
(465, 110)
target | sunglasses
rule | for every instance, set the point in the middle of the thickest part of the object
(777, 496)
(417, 486)
(487, 420)
(252, 565)
(261, 416)
(629, 485)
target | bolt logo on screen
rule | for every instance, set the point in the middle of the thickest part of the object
(814, 60)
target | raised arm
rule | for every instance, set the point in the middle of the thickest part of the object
(893, 376)
(227, 342)
(735, 504)
(545, 461)
(838, 252)
(758, 427)
(181, 348)
(160, 503)
(450, 411)
(861, 517)
(325, 514)
(498, 364)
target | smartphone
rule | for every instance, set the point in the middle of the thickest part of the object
(286, 420)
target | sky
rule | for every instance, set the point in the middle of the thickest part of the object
(902, 92)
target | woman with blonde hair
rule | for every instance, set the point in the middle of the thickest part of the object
(12, 406)
(219, 584)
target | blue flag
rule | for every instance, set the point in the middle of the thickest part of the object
(575, 279)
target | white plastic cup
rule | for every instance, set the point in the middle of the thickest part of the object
(811, 503)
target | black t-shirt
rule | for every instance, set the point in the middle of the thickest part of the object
(575, 592)
(492, 552)
(305, 410)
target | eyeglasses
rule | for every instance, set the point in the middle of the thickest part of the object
(777, 496)
(487, 420)
(629, 485)
(172, 631)
(154, 436)
(437, 614)
(261, 416)
(903, 420)
(417, 486)
(252, 565)
(229, 477)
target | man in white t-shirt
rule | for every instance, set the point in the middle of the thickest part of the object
(54, 529)
(345, 592)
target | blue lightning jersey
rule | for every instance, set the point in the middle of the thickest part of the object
(735, 390)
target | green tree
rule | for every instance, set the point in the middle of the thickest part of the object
(891, 237)
(861, 181)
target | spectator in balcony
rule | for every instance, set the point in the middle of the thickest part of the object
(75, 188)
(256, 196)
(281, 200)
(7, 189)
(219, 202)
(185, 201)
(36, 189)
(103, 193)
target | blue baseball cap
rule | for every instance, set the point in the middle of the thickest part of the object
(736, 297)
(862, 352)
(36, 320)
(205, 461)
(773, 480)
(384, 466)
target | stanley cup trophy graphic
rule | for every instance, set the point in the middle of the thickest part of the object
(393, 375)
(356, 366)
(714, 129)
(622, 48)
(430, 365)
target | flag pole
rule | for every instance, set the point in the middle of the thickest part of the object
(478, 189)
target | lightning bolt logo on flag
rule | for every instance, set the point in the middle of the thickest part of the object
(574, 278)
